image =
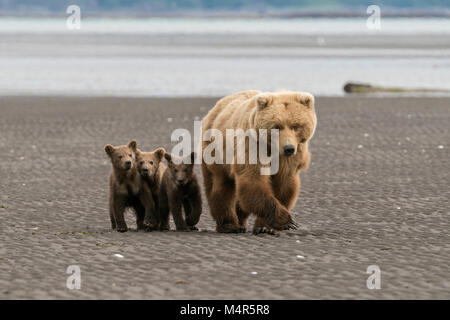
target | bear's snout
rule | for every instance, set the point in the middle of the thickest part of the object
(127, 165)
(289, 150)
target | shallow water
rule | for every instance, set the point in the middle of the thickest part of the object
(205, 57)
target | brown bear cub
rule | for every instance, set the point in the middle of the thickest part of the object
(180, 189)
(124, 186)
(151, 172)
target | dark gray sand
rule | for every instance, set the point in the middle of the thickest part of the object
(377, 192)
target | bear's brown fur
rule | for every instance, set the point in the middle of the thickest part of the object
(124, 185)
(180, 189)
(235, 191)
(151, 170)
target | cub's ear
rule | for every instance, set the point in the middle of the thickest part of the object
(168, 157)
(306, 99)
(160, 152)
(109, 149)
(138, 152)
(263, 100)
(132, 145)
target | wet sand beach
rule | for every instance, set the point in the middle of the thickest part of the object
(377, 193)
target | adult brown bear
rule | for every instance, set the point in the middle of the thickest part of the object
(236, 190)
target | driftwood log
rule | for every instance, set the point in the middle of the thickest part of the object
(352, 87)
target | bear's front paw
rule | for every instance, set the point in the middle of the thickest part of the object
(268, 230)
(282, 220)
(164, 228)
(230, 228)
(122, 228)
(184, 229)
(150, 225)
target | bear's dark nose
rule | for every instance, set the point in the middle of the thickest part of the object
(145, 170)
(180, 182)
(289, 149)
(128, 164)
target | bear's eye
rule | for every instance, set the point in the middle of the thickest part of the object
(303, 140)
(141, 163)
(130, 155)
(175, 170)
(151, 162)
(184, 170)
(120, 157)
(277, 127)
(295, 128)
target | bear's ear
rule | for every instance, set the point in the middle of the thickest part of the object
(168, 157)
(138, 152)
(263, 100)
(132, 145)
(306, 99)
(109, 149)
(160, 152)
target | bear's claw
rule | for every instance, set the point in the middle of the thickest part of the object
(291, 226)
(259, 230)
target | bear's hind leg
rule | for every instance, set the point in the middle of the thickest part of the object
(220, 192)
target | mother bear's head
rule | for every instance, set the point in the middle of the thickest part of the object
(292, 113)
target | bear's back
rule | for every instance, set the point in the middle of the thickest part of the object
(227, 113)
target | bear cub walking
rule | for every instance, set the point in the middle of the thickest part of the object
(151, 169)
(180, 189)
(124, 186)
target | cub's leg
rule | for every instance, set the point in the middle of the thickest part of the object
(193, 211)
(111, 213)
(187, 206)
(119, 204)
(176, 208)
(151, 216)
(164, 210)
(242, 216)
(140, 214)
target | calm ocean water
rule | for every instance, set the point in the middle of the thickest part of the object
(213, 57)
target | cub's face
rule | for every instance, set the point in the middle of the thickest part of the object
(292, 113)
(148, 162)
(182, 169)
(122, 157)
